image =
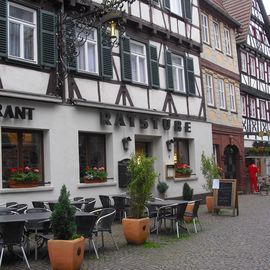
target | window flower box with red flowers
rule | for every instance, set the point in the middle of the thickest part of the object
(182, 170)
(94, 174)
(24, 177)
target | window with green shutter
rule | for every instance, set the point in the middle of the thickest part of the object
(181, 8)
(190, 78)
(154, 66)
(47, 38)
(3, 27)
(169, 70)
(126, 59)
(106, 59)
(187, 8)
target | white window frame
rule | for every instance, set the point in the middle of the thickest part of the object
(178, 68)
(244, 105)
(176, 9)
(216, 33)
(23, 23)
(227, 39)
(205, 28)
(232, 97)
(252, 65)
(139, 56)
(87, 59)
(263, 110)
(261, 70)
(252, 108)
(244, 62)
(209, 89)
(268, 72)
(221, 91)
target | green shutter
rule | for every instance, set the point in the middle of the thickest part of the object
(167, 4)
(3, 27)
(187, 7)
(154, 66)
(190, 78)
(169, 70)
(47, 38)
(70, 50)
(126, 59)
(106, 59)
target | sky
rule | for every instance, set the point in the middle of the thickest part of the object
(267, 6)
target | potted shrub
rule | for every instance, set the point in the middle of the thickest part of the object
(66, 250)
(182, 170)
(137, 227)
(187, 196)
(94, 174)
(162, 187)
(24, 177)
(210, 171)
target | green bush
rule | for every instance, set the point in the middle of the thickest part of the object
(63, 217)
(187, 192)
(162, 187)
(140, 187)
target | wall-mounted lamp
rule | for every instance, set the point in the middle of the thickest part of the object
(169, 144)
(125, 142)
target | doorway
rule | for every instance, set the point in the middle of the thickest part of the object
(143, 147)
(231, 159)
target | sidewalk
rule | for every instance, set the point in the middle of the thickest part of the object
(226, 243)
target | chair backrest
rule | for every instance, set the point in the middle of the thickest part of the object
(105, 219)
(51, 205)
(21, 208)
(78, 205)
(119, 202)
(180, 210)
(12, 232)
(105, 201)
(32, 225)
(196, 208)
(38, 204)
(80, 199)
(89, 206)
(86, 200)
(85, 225)
(11, 204)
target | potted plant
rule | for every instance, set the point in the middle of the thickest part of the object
(162, 188)
(24, 177)
(94, 174)
(210, 171)
(187, 196)
(66, 250)
(182, 170)
(137, 227)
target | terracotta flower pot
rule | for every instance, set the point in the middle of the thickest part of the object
(209, 203)
(66, 254)
(21, 184)
(136, 231)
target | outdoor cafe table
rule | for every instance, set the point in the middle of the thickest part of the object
(160, 203)
(35, 218)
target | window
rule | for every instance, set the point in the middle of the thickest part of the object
(221, 92)
(216, 35)
(91, 151)
(21, 148)
(178, 73)
(232, 97)
(88, 54)
(22, 36)
(252, 66)
(209, 89)
(252, 108)
(227, 38)
(263, 110)
(138, 62)
(261, 70)
(205, 29)
(268, 72)
(176, 7)
(244, 105)
(244, 62)
(181, 151)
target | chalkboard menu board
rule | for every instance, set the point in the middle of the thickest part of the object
(226, 195)
(123, 175)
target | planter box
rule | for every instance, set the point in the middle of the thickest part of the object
(26, 184)
(90, 181)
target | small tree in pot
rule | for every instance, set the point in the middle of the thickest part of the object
(66, 252)
(137, 226)
(162, 187)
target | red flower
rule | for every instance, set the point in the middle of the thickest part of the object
(20, 169)
(27, 169)
(13, 170)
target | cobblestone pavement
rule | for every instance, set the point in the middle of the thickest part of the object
(226, 243)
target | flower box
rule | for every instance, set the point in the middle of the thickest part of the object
(182, 170)
(96, 180)
(94, 175)
(22, 184)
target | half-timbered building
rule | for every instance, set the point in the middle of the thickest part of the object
(221, 82)
(96, 109)
(254, 60)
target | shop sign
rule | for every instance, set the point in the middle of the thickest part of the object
(123, 119)
(16, 112)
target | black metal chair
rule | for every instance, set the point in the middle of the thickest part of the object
(21, 208)
(85, 227)
(89, 200)
(11, 204)
(104, 223)
(194, 215)
(12, 234)
(120, 206)
(89, 206)
(105, 201)
(38, 204)
(78, 199)
(51, 205)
